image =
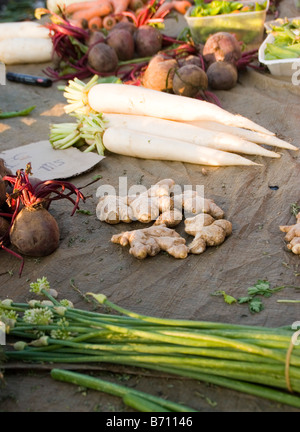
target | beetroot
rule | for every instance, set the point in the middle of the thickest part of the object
(122, 42)
(222, 75)
(190, 59)
(189, 80)
(148, 41)
(96, 37)
(4, 226)
(125, 25)
(3, 185)
(32, 229)
(102, 58)
(222, 46)
(35, 232)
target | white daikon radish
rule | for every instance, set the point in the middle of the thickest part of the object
(132, 143)
(23, 29)
(25, 50)
(186, 132)
(127, 99)
(137, 100)
(257, 137)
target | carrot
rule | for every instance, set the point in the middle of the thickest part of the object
(248, 135)
(120, 6)
(75, 7)
(145, 146)
(101, 10)
(95, 23)
(163, 9)
(186, 132)
(109, 22)
(126, 99)
(181, 6)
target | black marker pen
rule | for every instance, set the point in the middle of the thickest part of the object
(29, 79)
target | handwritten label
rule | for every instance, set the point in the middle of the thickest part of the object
(50, 164)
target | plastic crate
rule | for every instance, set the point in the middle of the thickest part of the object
(284, 67)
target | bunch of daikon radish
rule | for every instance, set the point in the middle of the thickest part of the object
(144, 123)
(24, 42)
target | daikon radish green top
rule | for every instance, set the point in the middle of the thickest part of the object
(128, 99)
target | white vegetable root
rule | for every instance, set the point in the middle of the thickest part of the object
(126, 99)
(24, 29)
(256, 137)
(25, 50)
(136, 144)
(187, 132)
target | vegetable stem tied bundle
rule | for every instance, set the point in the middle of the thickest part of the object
(251, 359)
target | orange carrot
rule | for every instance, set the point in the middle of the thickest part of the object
(120, 6)
(163, 9)
(75, 7)
(109, 22)
(95, 23)
(181, 6)
(87, 14)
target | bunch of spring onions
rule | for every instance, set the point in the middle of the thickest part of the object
(256, 360)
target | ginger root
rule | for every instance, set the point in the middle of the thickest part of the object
(114, 209)
(150, 241)
(170, 218)
(293, 235)
(161, 204)
(207, 232)
(193, 203)
(144, 208)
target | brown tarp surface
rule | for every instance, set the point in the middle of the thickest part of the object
(255, 199)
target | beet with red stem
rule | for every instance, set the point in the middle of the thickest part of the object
(33, 230)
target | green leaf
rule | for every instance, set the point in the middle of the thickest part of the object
(244, 299)
(228, 298)
(261, 287)
(255, 305)
(110, 79)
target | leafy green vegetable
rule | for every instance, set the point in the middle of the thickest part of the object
(261, 288)
(286, 42)
(255, 305)
(202, 9)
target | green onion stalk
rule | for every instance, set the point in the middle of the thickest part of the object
(256, 360)
(21, 113)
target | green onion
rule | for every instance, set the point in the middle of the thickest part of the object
(251, 359)
(134, 398)
(10, 114)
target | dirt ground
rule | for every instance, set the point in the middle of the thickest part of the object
(255, 199)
